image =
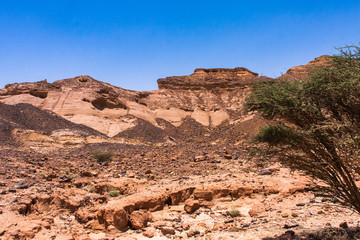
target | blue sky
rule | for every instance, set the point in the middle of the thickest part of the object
(133, 43)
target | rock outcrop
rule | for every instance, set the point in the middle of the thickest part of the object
(213, 78)
(179, 165)
(299, 72)
(37, 89)
(208, 97)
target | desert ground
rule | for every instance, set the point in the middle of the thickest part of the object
(180, 164)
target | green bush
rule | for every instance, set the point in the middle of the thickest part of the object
(114, 193)
(102, 156)
(315, 124)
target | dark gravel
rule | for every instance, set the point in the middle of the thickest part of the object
(26, 116)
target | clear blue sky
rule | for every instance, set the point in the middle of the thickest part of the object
(133, 43)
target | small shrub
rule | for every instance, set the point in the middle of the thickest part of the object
(91, 189)
(102, 156)
(74, 176)
(234, 213)
(114, 193)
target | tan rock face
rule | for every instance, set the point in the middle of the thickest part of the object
(211, 97)
(111, 110)
(299, 72)
(211, 78)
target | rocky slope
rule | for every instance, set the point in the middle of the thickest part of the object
(180, 166)
(211, 97)
(299, 72)
(149, 192)
(27, 117)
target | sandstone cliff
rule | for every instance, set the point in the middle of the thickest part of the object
(211, 79)
(302, 71)
(210, 97)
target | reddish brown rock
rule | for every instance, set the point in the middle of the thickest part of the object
(206, 195)
(116, 217)
(168, 231)
(291, 224)
(82, 215)
(139, 219)
(63, 201)
(211, 78)
(31, 229)
(150, 233)
(191, 206)
(181, 195)
(299, 72)
(257, 210)
(192, 232)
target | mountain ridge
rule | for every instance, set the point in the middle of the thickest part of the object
(211, 97)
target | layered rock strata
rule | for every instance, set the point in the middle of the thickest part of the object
(211, 97)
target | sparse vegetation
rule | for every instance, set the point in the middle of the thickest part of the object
(114, 193)
(91, 189)
(74, 175)
(233, 212)
(102, 156)
(315, 124)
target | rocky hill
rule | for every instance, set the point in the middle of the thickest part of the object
(111, 110)
(211, 97)
(299, 72)
(177, 168)
(27, 117)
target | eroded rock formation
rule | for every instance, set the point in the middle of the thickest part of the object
(213, 78)
(302, 71)
(211, 97)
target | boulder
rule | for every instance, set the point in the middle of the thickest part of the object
(116, 217)
(191, 206)
(150, 233)
(168, 231)
(257, 210)
(139, 219)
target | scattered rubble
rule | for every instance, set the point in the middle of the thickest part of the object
(179, 165)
